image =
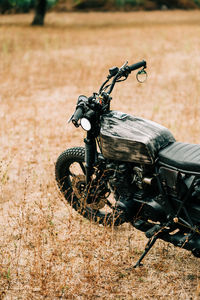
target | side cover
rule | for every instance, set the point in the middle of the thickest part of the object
(127, 138)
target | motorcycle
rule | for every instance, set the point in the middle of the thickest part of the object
(132, 170)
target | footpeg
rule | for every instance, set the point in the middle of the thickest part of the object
(152, 231)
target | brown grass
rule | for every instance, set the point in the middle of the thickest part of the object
(47, 250)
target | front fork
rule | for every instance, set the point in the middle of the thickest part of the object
(90, 156)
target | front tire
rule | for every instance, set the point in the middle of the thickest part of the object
(70, 174)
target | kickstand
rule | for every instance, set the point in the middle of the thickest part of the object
(149, 245)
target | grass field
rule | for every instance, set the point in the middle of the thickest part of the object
(48, 251)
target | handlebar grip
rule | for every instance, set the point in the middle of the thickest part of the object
(77, 116)
(138, 65)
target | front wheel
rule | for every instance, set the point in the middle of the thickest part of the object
(70, 175)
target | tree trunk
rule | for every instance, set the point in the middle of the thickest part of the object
(40, 10)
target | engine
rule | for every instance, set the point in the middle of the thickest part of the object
(128, 180)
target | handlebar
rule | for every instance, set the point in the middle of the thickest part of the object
(116, 73)
(138, 65)
(77, 116)
(125, 70)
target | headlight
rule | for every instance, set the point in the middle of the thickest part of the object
(85, 124)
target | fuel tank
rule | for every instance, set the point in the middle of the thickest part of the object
(128, 138)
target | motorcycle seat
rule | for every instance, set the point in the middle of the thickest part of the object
(181, 156)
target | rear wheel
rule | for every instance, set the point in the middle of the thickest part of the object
(70, 175)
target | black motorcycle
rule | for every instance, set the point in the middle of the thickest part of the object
(132, 170)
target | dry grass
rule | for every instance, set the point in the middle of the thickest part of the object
(47, 250)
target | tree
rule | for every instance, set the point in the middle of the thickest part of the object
(40, 11)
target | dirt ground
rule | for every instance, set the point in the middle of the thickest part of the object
(48, 251)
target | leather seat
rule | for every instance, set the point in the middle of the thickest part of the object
(181, 156)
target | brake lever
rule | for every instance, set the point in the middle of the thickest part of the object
(124, 65)
(124, 71)
(69, 120)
